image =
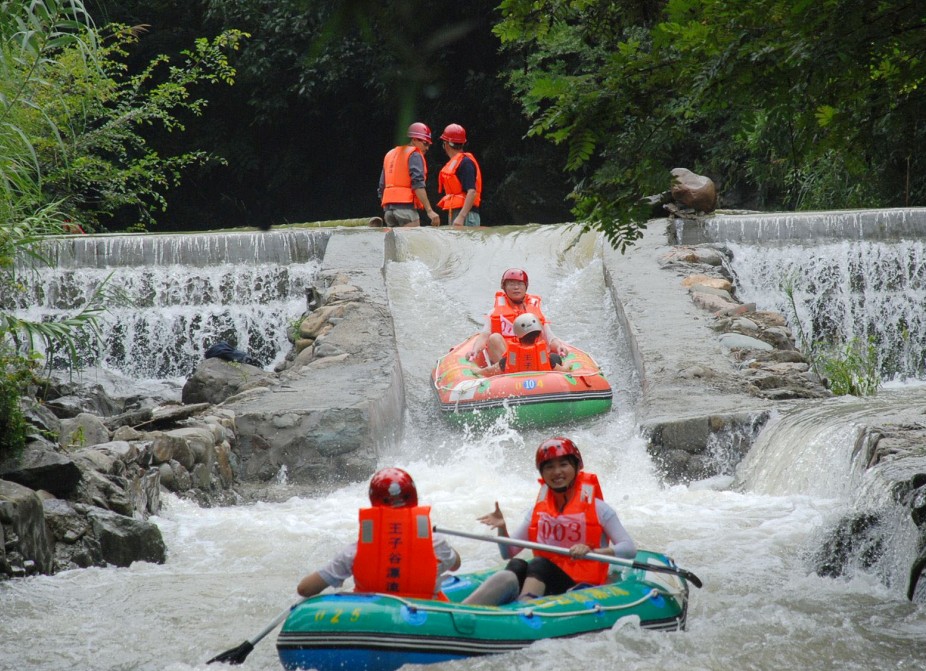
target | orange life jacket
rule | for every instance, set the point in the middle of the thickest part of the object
(395, 552)
(505, 312)
(449, 183)
(577, 523)
(397, 179)
(522, 358)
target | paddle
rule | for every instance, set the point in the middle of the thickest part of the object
(239, 654)
(504, 540)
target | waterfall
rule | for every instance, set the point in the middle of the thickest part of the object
(175, 295)
(863, 290)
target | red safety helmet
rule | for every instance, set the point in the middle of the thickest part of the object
(393, 488)
(514, 274)
(553, 448)
(454, 133)
(419, 131)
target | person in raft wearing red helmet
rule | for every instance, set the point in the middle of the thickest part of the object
(490, 348)
(460, 179)
(569, 513)
(402, 182)
(395, 552)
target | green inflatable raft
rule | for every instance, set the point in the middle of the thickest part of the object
(358, 631)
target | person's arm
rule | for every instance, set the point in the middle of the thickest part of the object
(448, 559)
(466, 172)
(496, 520)
(460, 219)
(479, 343)
(428, 210)
(620, 544)
(332, 574)
(382, 184)
(416, 173)
(556, 344)
(311, 585)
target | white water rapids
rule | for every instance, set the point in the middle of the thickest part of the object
(230, 571)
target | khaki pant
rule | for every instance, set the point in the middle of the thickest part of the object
(402, 217)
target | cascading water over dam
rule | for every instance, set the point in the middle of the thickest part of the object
(182, 293)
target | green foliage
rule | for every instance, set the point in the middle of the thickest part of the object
(14, 376)
(73, 121)
(850, 368)
(71, 149)
(797, 104)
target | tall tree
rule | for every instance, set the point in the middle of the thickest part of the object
(790, 104)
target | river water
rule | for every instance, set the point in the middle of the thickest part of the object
(230, 571)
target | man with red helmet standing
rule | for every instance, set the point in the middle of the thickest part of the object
(498, 333)
(569, 513)
(403, 179)
(460, 179)
(396, 552)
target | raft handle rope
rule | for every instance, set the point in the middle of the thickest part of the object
(529, 611)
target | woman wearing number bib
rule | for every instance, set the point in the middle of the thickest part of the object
(569, 513)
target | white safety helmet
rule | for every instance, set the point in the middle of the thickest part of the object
(526, 324)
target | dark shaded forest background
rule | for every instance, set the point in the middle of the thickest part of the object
(575, 109)
(323, 93)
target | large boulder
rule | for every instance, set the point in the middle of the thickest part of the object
(124, 540)
(216, 380)
(696, 192)
(41, 467)
(22, 521)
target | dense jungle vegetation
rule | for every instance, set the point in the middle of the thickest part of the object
(167, 115)
(575, 108)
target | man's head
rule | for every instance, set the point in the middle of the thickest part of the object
(393, 488)
(514, 284)
(420, 135)
(455, 136)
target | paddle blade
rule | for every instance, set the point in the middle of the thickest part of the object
(691, 577)
(235, 655)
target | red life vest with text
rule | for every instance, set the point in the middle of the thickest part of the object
(395, 552)
(504, 312)
(522, 358)
(577, 523)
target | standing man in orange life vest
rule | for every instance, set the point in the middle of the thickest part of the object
(569, 513)
(498, 335)
(403, 179)
(395, 552)
(460, 179)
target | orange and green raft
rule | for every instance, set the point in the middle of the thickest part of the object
(534, 398)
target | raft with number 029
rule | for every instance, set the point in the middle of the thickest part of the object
(382, 632)
(535, 398)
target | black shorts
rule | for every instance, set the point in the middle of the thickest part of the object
(557, 581)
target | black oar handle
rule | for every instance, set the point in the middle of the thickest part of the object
(594, 556)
